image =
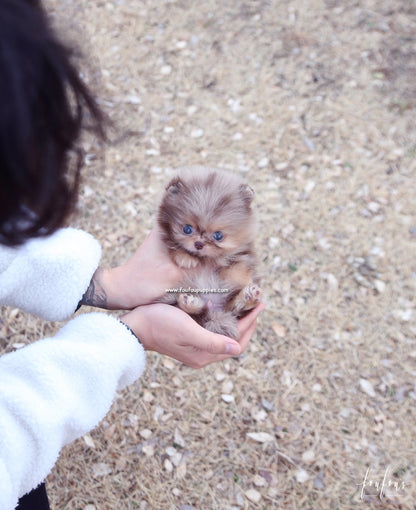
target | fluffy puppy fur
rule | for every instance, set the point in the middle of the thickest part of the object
(208, 226)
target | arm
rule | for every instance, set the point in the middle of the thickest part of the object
(57, 389)
(48, 276)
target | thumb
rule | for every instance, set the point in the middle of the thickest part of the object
(214, 343)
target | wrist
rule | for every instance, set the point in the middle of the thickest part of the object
(129, 329)
(136, 322)
(110, 285)
(116, 284)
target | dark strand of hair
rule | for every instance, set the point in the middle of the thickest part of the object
(44, 107)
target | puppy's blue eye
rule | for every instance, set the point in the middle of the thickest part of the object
(187, 229)
(218, 236)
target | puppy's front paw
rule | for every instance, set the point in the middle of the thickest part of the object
(252, 295)
(186, 261)
(190, 303)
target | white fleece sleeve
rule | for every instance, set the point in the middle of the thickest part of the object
(57, 389)
(48, 276)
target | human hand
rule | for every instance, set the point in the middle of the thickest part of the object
(168, 330)
(140, 281)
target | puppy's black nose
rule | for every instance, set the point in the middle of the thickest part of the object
(198, 245)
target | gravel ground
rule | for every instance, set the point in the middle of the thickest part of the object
(314, 102)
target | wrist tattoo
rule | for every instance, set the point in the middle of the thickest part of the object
(95, 295)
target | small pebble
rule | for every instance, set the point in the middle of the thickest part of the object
(191, 110)
(380, 286)
(166, 70)
(220, 376)
(273, 242)
(308, 456)
(263, 162)
(282, 166)
(253, 495)
(197, 133)
(301, 476)
(373, 207)
(146, 433)
(148, 450)
(168, 466)
(309, 187)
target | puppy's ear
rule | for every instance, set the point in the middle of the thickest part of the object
(247, 193)
(175, 186)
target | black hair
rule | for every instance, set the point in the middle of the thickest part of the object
(44, 106)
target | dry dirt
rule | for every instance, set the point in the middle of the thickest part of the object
(315, 103)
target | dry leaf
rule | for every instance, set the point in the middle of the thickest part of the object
(259, 481)
(148, 396)
(109, 432)
(260, 415)
(168, 465)
(279, 330)
(148, 450)
(260, 437)
(267, 405)
(181, 470)
(286, 378)
(227, 387)
(89, 441)
(266, 475)
(367, 387)
(101, 469)
(178, 439)
(318, 482)
(169, 364)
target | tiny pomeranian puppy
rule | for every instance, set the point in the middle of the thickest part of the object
(208, 225)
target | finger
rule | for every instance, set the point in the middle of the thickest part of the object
(212, 343)
(245, 338)
(222, 345)
(245, 322)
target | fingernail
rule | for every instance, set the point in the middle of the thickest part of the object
(232, 349)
